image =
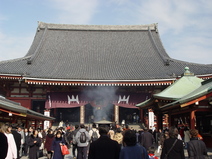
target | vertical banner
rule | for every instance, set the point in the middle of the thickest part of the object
(46, 122)
(151, 119)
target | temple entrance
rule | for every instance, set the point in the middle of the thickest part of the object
(97, 113)
(129, 115)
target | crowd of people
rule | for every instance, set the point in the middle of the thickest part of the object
(102, 142)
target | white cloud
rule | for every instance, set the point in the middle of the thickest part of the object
(75, 12)
(183, 26)
(13, 47)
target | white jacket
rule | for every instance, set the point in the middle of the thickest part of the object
(12, 149)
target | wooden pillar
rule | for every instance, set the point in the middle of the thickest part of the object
(192, 119)
(159, 117)
(116, 114)
(82, 114)
(141, 115)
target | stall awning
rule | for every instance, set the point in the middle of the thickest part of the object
(14, 108)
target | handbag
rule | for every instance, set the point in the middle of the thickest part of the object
(64, 150)
(166, 155)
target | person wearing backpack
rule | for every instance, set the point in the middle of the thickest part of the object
(94, 133)
(82, 139)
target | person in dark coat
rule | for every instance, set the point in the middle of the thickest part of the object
(56, 149)
(177, 152)
(131, 149)
(26, 146)
(196, 148)
(34, 144)
(48, 143)
(104, 147)
(147, 139)
(3, 144)
(17, 138)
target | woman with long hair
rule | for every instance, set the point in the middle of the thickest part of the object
(3, 143)
(12, 149)
(56, 146)
(34, 143)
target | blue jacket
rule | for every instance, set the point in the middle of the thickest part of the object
(133, 152)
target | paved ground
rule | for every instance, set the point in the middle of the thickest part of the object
(157, 154)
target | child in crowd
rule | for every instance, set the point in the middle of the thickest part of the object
(151, 153)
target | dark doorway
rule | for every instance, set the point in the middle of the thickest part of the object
(129, 115)
(70, 115)
(38, 106)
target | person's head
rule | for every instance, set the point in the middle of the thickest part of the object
(103, 130)
(151, 149)
(50, 131)
(19, 128)
(173, 132)
(39, 129)
(186, 128)
(26, 130)
(76, 126)
(194, 132)
(14, 126)
(129, 138)
(118, 130)
(30, 129)
(58, 134)
(6, 128)
(94, 125)
(82, 126)
(35, 133)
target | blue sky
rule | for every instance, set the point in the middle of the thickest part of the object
(184, 25)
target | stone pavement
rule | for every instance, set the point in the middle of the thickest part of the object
(70, 156)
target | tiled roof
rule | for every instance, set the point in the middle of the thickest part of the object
(203, 90)
(180, 88)
(95, 52)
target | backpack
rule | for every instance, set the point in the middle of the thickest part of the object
(94, 136)
(82, 138)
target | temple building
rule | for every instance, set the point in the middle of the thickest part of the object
(186, 103)
(89, 73)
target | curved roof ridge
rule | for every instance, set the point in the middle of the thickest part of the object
(16, 59)
(181, 61)
(42, 25)
(165, 59)
(38, 47)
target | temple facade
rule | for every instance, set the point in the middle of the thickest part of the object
(87, 73)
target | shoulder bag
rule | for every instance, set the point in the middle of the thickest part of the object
(166, 155)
